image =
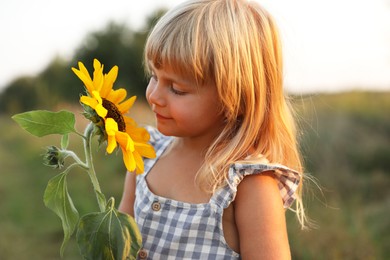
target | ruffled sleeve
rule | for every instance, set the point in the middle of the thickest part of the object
(288, 178)
(288, 181)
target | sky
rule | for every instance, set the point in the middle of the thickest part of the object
(329, 45)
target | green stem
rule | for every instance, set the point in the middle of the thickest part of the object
(91, 170)
(77, 159)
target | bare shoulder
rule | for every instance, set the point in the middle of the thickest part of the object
(260, 218)
(127, 202)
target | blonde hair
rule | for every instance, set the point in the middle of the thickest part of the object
(235, 45)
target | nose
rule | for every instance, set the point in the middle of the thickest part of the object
(154, 94)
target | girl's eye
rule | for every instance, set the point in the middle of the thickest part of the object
(177, 92)
(171, 88)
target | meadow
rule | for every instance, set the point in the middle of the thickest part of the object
(345, 141)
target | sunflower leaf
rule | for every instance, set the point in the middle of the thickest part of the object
(108, 235)
(42, 122)
(57, 199)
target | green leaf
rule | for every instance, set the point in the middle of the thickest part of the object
(108, 235)
(42, 122)
(57, 199)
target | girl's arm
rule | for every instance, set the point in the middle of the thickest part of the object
(260, 219)
(127, 202)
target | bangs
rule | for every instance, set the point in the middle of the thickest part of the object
(177, 42)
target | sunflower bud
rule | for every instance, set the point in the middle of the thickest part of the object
(54, 157)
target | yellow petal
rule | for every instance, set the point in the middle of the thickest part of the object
(113, 74)
(83, 69)
(125, 141)
(97, 96)
(125, 106)
(146, 150)
(129, 160)
(129, 121)
(98, 77)
(101, 111)
(111, 144)
(139, 163)
(111, 126)
(89, 101)
(96, 64)
(85, 78)
(109, 80)
(111, 129)
(117, 96)
(98, 80)
(138, 134)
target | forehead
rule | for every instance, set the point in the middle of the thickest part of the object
(171, 55)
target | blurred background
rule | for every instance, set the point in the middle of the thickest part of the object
(337, 71)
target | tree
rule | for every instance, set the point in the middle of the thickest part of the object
(19, 96)
(116, 44)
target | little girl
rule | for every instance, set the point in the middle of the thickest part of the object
(227, 162)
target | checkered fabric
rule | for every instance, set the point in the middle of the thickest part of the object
(177, 230)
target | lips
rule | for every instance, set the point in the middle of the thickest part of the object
(159, 116)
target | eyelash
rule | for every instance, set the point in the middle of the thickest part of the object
(171, 88)
(176, 92)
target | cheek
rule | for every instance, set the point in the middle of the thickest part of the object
(196, 112)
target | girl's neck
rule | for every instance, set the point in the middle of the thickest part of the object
(198, 144)
(187, 145)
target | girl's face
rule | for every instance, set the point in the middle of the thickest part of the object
(183, 109)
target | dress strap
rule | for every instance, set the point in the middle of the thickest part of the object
(159, 142)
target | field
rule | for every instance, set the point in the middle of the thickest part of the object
(346, 147)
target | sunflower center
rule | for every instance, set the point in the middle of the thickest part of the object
(114, 113)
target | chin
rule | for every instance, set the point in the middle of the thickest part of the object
(164, 130)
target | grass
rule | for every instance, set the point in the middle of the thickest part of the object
(346, 146)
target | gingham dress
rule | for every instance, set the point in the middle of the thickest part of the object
(177, 230)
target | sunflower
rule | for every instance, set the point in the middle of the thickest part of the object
(110, 106)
